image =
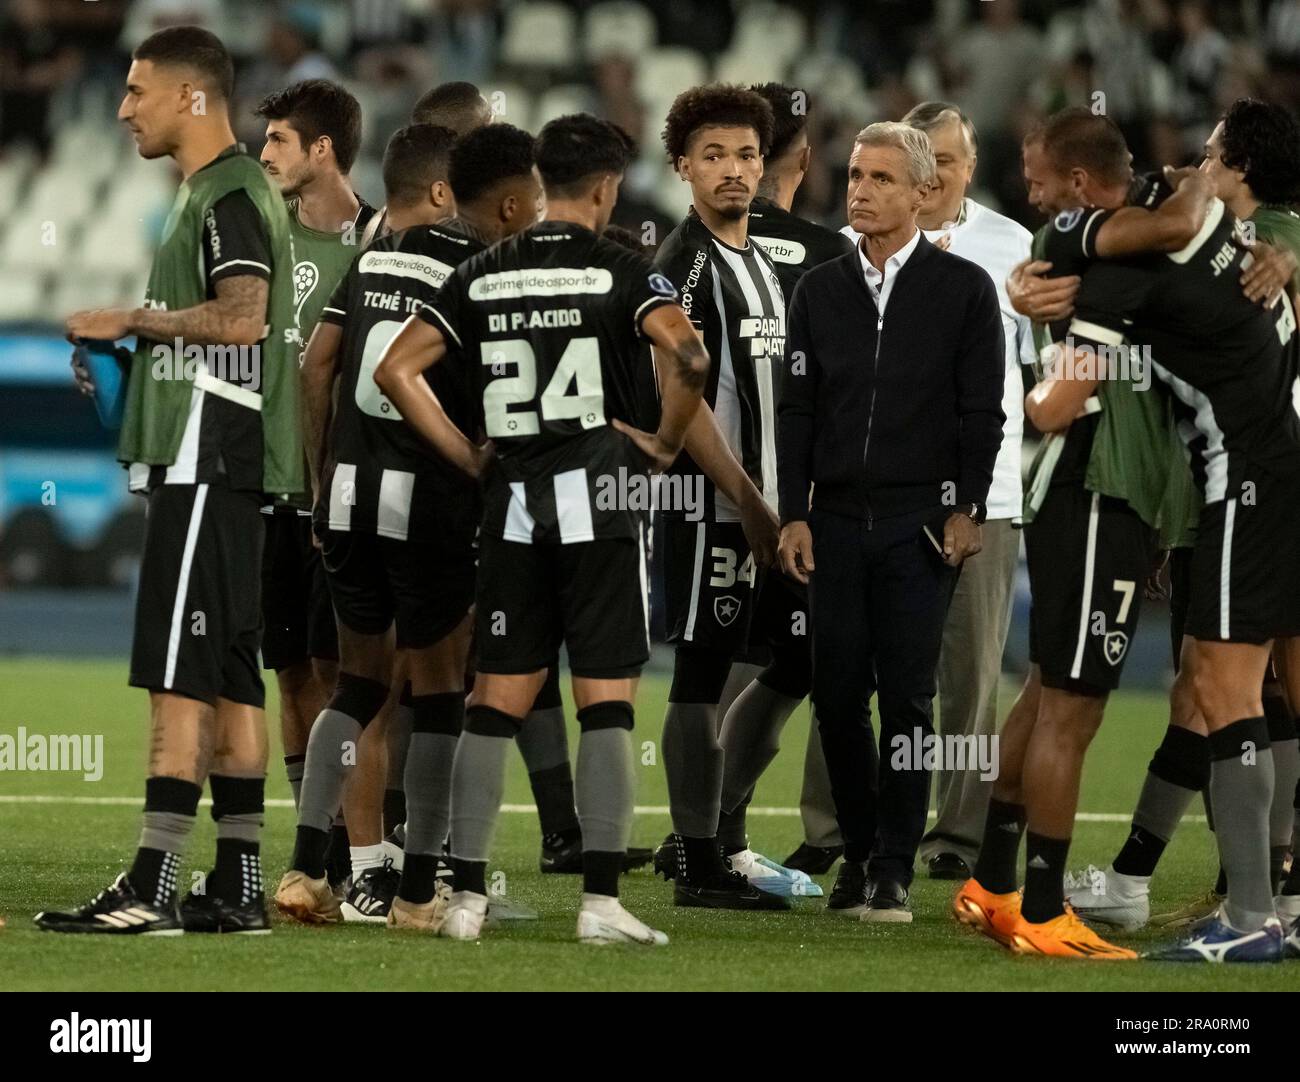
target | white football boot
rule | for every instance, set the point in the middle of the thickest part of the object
(1105, 896)
(772, 877)
(465, 915)
(603, 920)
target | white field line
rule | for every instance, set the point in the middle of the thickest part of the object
(516, 809)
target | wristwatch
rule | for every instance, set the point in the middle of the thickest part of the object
(976, 512)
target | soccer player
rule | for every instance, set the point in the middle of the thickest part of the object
(1231, 366)
(1092, 502)
(758, 697)
(549, 322)
(313, 133)
(459, 107)
(211, 424)
(1252, 158)
(397, 524)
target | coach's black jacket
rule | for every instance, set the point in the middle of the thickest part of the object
(878, 423)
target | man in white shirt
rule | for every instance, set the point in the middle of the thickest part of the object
(978, 620)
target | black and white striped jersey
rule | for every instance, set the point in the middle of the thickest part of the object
(380, 476)
(733, 297)
(549, 322)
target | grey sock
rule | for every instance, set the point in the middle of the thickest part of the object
(605, 788)
(293, 771)
(1241, 794)
(1286, 773)
(693, 763)
(739, 677)
(167, 831)
(331, 754)
(543, 740)
(1161, 806)
(478, 780)
(751, 737)
(428, 791)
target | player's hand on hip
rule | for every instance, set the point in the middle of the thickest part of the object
(1268, 273)
(105, 324)
(961, 538)
(661, 456)
(762, 529)
(1038, 297)
(796, 551)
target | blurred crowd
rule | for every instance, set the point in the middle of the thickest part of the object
(1164, 69)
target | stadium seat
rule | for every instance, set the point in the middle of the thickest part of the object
(749, 67)
(618, 27)
(75, 289)
(673, 195)
(31, 244)
(539, 34)
(20, 294)
(15, 169)
(117, 245)
(770, 30)
(663, 73)
(561, 100)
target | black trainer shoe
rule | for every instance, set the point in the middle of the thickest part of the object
(814, 859)
(208, 913)
(637, 858)
(561, 854)
(117, 910)
(948, 866)
(888, 904)
(370, 896)
(725, 890)
(849, 895)
(665, 858)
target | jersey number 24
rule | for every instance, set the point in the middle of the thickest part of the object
(579, 368)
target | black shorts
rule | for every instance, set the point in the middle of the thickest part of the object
(709, 585)
(1244, 565)
(297, 617)
(1088, 559)
(198, 613)
(592, 596)
(426, 588)
(1180, 595)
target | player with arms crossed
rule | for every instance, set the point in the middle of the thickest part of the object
(549, 321)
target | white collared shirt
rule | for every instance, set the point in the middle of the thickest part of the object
(996, 243)
(881, 285)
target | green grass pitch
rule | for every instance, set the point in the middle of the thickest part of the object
(58, 852)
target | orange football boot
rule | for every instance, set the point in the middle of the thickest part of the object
(995, 915)
(1065, 936)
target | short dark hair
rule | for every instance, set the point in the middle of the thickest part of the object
(787, 121)
(717, 105)
(458, 106)
(1262, 140)
(486, 155)
(416, 157)
(930, 114)
(194, 48)
(1076, 136)
(572, 149)
(316, 107)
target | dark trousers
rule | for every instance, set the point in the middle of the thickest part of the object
(878, 598)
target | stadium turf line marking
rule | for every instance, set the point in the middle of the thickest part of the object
(514, 809)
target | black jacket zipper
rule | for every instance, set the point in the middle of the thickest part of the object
(871, 410)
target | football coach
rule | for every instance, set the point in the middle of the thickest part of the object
(888, 427)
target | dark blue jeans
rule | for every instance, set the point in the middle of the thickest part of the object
(879, 596)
